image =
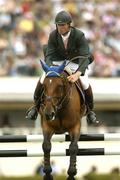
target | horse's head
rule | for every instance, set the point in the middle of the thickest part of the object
(54, 90)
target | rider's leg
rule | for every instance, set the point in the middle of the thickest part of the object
(32, 113)
(91, 116)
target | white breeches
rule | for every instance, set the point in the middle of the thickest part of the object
(84, 80)
(72, 67)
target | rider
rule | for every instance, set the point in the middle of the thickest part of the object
(67, 42)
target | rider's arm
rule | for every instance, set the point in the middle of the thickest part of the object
(51, 50)
(83, 49)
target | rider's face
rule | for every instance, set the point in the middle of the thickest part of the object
(63, 28)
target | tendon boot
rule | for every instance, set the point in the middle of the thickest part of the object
(91, 116)
(32, 112)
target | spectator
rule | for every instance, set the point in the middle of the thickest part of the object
(39, 169)
(24, 28)
(92, 171)
(5, 121)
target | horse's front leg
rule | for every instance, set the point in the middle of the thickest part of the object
(46, 149)
(73, 149)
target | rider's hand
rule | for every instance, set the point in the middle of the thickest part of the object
(74, 77)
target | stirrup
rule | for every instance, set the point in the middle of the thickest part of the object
(91, 118)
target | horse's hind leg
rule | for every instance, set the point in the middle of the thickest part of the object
(73, 149)
(46, 149)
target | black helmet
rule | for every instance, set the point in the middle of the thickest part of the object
(63, 17)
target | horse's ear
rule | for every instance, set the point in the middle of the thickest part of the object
(62, 66)
(45, 67)
(58, 69)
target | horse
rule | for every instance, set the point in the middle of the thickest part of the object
(61, 111)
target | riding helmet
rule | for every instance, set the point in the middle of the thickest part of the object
(63, 17)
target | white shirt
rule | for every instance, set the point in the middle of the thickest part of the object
(65, 39)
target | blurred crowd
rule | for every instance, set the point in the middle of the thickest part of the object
(25, 26)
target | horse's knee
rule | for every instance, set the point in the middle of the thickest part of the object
(46, 147)
(73, 149)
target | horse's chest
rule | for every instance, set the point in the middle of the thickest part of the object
(61, 125)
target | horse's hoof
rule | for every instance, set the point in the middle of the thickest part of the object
(48, 177)
(70, 178)
(72, 171)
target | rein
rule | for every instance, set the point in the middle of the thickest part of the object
(61, 105)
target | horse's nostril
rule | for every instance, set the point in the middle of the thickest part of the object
(50, 116)
(53, 114)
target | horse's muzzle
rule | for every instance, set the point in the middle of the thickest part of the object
(49, 115)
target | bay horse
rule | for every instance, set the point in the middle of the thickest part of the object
(61, 111)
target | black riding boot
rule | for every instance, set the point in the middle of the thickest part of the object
(32, 112)
(91, 116)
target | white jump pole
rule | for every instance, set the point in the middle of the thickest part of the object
(60, 152)
(60, 138)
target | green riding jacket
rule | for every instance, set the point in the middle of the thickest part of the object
(77, 46)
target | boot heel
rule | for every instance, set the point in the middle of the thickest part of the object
(91, 118)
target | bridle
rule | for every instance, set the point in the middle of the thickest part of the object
(63, 100)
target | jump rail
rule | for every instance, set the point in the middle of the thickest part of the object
(60, 138)
(37, 153)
